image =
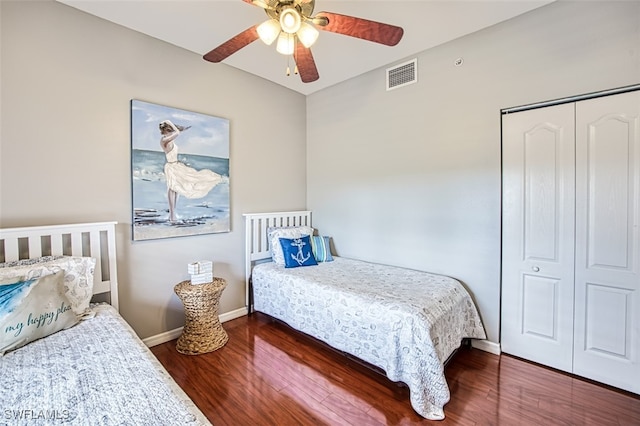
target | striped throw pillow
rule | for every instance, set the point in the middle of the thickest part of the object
(321, 249)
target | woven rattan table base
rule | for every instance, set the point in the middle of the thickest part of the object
(202, 331)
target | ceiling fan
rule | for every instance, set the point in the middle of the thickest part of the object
(292, 24)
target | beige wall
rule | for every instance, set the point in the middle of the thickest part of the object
(67, 79)
(408, 177)
(411, 177)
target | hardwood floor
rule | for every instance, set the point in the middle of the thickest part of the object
(269, 374)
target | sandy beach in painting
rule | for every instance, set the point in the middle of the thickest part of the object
(167, 230)
(209, 214)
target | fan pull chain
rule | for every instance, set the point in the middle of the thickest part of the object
(295, 51)
(295, 69)
(295, 54)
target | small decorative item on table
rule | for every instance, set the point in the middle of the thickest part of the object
(202, 331)
(201, 272)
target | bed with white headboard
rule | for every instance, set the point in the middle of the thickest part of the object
(406, 322)
(257, 245)
(95, 240)
(69, 356)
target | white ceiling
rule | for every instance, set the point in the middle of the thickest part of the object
(201, 25)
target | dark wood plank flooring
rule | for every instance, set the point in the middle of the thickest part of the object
(269, 374)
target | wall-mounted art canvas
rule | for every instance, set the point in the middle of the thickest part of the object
(179, 172)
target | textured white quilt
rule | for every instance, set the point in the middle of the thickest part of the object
(96, 373)
(404, 321)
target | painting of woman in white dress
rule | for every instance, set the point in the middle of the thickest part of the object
(181, 184)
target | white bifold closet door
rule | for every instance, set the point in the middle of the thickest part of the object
(571, 238)
(607, 268)
(538, 156)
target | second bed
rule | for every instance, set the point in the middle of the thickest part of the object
(404, 321)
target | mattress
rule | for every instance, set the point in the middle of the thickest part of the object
(404, 321)
(97, 372)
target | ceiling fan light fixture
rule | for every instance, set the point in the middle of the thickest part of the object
(285, 44)
(293, 24)
(268, 31)
(307, 35)
(290, 20)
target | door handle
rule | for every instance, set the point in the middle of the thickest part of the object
(535, 269)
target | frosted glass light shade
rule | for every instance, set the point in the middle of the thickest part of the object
(268, 31)
(307, 35)
(285, 44)
(290, 20)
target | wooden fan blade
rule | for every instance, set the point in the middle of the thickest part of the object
(377, 32)
(306, 65)
(232, 45)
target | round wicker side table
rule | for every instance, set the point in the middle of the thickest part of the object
(202, 331)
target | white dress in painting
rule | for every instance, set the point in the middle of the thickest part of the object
(185, 180)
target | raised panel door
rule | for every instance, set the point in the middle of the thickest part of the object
(538, 235)
(607, 272)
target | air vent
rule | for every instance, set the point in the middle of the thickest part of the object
(402, 75)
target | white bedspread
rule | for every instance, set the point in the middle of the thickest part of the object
(404, 321)
(96, 373)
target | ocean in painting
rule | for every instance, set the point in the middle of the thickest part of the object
(209, 214)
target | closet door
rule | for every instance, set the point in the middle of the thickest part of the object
(538, 235)
(607, 290)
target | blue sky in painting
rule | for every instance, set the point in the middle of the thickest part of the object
(208, 135)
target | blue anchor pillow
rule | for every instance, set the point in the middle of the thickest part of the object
(297, 252)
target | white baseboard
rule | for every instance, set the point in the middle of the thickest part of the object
(487, 346)
(175, 333)
(158, 339)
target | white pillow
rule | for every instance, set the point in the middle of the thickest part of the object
(274, 235)
(78, 277)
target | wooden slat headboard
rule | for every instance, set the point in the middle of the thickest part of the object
(95, 240)
(256, 241)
